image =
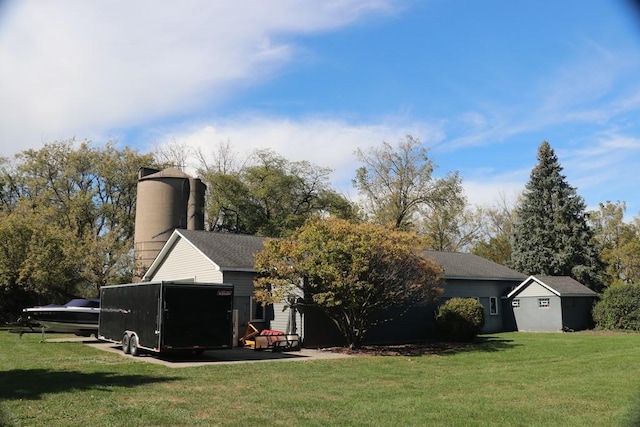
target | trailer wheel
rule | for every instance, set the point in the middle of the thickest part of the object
(126, 349)
(133, 346)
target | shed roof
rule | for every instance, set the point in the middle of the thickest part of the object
(458, 265)
(560, 285)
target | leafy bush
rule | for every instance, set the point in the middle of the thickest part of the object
(619, 308)
(460, 319)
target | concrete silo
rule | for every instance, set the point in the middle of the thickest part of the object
(166, 200)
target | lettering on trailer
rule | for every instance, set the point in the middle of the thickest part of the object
(224, 293)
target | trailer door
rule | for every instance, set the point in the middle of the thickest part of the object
(197, 317)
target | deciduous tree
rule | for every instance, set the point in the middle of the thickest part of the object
(497, 231)
(619, 242)
(349, 271)
(396, 182)
(270, 196)
(451, 225)
(78, 201)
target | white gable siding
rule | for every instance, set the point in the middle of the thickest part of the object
(184, 261)
(535, 290)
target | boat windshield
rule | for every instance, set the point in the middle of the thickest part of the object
(83, 303)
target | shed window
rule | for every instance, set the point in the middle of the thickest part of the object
(493, 306)
(515, 303)
(543, 302)
(257, 311)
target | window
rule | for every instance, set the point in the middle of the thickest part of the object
(493, 306)
(543, 302)
(257, 311)
(515, 303)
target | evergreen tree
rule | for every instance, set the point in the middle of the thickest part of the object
(552, 236)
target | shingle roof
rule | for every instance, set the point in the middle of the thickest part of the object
(228, 251)
(237, 251)
(470, 266)
(565, 285)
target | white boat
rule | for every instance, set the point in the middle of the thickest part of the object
(78, 316)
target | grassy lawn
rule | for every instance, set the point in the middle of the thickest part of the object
(507, 379)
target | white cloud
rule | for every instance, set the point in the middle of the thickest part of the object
(492, 192)
(324, 142)
(596, 165)
(332, 143)
(76, 67)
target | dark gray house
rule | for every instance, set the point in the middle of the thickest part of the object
(465, 276)
(229, 258)
(551, 304)
(471, 276)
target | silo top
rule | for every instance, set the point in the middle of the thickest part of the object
(166, 173)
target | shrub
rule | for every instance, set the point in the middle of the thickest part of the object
(619, 308)
(460, 319)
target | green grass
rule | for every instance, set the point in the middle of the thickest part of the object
(508, 379)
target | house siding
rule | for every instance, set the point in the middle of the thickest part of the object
(415, 324)
(530, 317)
(576, 312)
(483, 290)
(184, 261)
(243, 291)
(242, 282)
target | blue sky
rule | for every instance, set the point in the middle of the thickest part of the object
(482, 84)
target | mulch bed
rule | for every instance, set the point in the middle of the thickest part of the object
(404, 349)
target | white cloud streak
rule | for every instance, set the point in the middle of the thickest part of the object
(76, 68)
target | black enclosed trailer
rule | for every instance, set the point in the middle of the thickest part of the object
(162, 317)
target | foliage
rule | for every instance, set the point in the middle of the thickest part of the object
(460, 319)
(270, 196)
(350, 271)
(619, 242)
(450, 225)
(497, 229)
(396, 182)
(552, 236)
(39, 261)
(67, 211)
(619, 308)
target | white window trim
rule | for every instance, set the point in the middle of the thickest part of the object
(492, 312)
(541, 304)
(515, 303)
(252, 303)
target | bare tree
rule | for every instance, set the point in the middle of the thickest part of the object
(396, 182)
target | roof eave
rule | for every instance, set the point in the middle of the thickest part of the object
(493, 279)
(240, 269)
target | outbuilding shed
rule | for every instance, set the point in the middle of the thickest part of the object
(552, 304)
